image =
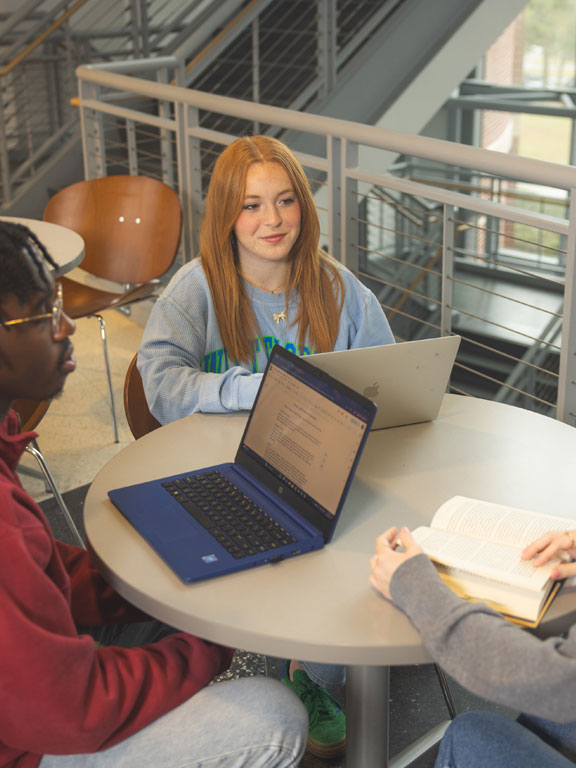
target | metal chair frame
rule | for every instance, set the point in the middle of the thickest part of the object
(31, 413)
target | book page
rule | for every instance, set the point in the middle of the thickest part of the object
(508, 599)
(494, 561)
(496, 522)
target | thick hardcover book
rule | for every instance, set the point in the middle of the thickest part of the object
(476, 547)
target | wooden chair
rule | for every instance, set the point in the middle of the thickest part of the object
(31, 412)
(131, 228)
(138, 415)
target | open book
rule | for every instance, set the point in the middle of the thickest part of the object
(476, 547)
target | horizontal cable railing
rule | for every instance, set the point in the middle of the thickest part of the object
(468, 257)
(43, 42)
(284, 53)
(37, 79)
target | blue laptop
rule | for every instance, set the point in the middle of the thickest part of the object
(282, 495)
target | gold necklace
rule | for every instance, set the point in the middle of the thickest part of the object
(280, 288)
(278, 316)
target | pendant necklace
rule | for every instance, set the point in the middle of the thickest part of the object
(278, 316)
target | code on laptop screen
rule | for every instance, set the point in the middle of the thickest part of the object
(307, 432)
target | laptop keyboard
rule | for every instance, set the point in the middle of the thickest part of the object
(235, 521)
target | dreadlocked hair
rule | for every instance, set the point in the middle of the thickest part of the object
(17, 276)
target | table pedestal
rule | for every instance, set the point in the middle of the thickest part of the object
(367, 702)
(367, 718)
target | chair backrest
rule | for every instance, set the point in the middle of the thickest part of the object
(131, 225)
(31, 412)
(138, 415)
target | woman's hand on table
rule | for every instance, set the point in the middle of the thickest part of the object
(554, 544)
(387, 560)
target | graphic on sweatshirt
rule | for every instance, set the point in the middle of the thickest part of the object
(218, 362)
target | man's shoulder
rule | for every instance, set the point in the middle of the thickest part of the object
(17, 509)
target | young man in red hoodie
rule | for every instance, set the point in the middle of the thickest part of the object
(64, 702)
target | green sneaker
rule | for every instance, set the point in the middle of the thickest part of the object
(326, 721)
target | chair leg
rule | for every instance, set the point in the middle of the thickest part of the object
(31, 472)
(446, 691)
(108, 374)
(35, 451)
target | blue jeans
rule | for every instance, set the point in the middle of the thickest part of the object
(326, 675)
(490, 740)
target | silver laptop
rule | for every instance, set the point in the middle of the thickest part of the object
(407, 381)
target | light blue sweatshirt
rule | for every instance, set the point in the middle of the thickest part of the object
(182, 360)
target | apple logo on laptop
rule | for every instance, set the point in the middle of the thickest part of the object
(372, 391)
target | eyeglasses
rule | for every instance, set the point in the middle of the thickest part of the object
(55, 313)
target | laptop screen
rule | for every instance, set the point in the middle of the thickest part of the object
(307, 430)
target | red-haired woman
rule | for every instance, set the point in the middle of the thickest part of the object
(260, 279)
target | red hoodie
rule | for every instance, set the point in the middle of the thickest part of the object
(58, 693)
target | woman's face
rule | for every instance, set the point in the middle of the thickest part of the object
(269, 223)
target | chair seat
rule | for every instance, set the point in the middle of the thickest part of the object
(30, 412)
(81, 300)
(138, 415)
(131, 228)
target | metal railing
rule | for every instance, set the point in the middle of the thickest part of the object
(43, 42)
(442, 258)
(284, 52)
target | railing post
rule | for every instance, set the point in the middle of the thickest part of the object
(139, 29)
(256, 67)
(166, 152)
(327, 35)
(349, 207)
(334, 187)
(131, 147)
(4, 158)
(53, 88)
(566, 402)
(190, 178)
(25, 117)
(93, 148)
(144, 36)
(447, 271)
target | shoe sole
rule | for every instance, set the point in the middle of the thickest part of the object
(326, 751)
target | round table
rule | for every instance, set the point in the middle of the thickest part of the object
(320, 607)
(64, 245)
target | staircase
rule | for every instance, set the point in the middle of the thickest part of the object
(41, 44)
(316, 55)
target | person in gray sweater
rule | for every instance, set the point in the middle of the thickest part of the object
(490, 657)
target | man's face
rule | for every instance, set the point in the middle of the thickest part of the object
(35, 359)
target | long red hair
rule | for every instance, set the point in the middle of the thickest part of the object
(314, 275)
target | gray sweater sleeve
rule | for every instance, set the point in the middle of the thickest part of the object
(485, 653)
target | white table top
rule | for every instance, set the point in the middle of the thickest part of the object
(319, 606)
(64, 245)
